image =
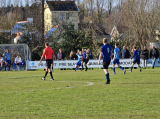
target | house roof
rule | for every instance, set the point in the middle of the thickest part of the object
(50, 31)
(19, 27)
(62, 5)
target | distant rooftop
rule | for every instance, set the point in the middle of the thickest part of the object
(62, 5)
(50, 32)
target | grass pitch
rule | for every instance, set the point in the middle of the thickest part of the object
(80, 95)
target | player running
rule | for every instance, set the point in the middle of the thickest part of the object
(116, 59)
(84, 58)
(80, 59)
(49, 55)
(136, 59)
(106, 52)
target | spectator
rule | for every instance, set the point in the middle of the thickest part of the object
(17, 61)
(60, 55)
(145, 57)
(1, 62)
(73, 56)
(132, 53)
(90, 54)
(125, 53)
(77, 52)
(154, 54)
(98, 54)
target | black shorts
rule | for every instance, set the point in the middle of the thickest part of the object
(106, 64)
(86, 61)
(48, 63)
(136, 61)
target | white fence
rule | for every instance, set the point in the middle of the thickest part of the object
(93, 64)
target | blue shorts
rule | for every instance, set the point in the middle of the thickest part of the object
(78, 64)
(116, 61)
(8, 62)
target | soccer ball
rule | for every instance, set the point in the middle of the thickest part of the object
(88, 63)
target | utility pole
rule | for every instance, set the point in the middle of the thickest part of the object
(42, 22)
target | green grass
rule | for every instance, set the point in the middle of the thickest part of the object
(134, 95)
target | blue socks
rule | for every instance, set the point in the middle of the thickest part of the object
(107, 76)
(131, 68)
(76, 69)
(139, 67)
(1, 68)
(5, 68)
(121, 68)
(113, 70)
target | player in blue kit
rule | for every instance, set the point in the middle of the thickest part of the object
(106, 52)
(7, 59)
(136, 59)
(116, 59)
(84, 57)
(80, 59)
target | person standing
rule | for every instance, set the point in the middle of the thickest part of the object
(154, 54)
(145, 57)
(136, 57)
(116, 59)
(48, 53)
(125, 53)
(60, 55)
(1, 62)
(7, 59)
(106, 52)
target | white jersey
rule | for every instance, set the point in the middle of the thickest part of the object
(18, 59)
(1, 59)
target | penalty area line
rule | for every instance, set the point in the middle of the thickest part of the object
(87, 84)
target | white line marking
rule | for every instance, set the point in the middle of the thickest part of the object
(88, 84)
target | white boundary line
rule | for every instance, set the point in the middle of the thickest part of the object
(88, 84)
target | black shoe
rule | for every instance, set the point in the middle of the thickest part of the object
(152, 67)
(52, 79)
(86, 69)
(140, 70)
(82, 69)
(74, 70)
(107, 82)
(43, 78)
(124, 72)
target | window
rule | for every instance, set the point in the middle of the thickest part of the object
(67, 15)
(61, 15)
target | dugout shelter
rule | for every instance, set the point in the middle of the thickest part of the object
(21, 49)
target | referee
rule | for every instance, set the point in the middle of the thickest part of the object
(49, 55)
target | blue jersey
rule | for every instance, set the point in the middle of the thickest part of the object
(106, 49)
(7, 56)
(79, 58)
(84, 55)
(116, 50)
(136, 55)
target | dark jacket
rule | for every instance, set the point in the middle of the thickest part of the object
(125, 53)
(90, 55)
(73, 56)
(154, 53)
(145, 54)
